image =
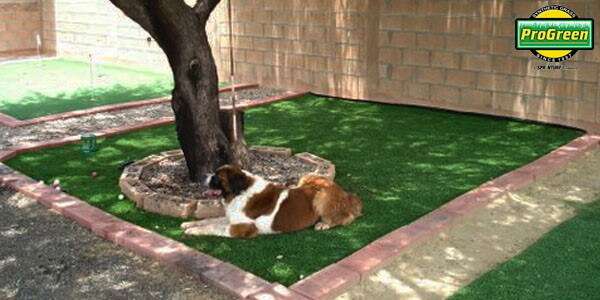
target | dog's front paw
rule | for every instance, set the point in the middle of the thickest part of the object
(215, 226)
(197, 231)
(322, 226)
(188, 225)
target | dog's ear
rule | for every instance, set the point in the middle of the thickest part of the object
(239, 182)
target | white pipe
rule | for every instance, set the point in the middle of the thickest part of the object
(38, 40)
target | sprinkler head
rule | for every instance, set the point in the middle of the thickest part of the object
(94, 174)
(121, 197)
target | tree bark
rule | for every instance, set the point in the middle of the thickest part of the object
(180, 31)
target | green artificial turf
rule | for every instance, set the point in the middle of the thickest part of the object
(564, 264)
(402, 161)
(30, 89)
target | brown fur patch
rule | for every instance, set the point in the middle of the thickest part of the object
(334, 205)
(296, 212)
(264, 202)
(233, 180)
(244, 230)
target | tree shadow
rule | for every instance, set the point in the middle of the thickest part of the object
(402, 161)
(501, 239)
(36, 104)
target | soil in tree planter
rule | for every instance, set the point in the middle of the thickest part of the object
(170, 176)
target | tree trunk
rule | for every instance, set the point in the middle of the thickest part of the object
(203, 132)
(196, 107)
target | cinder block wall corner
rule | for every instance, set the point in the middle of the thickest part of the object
(453, 54)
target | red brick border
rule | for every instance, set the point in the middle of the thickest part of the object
(277, 98)
(30, 54)
(9, 121)
(325, 284)
(328, 282)
(29, 147)
(137, 239)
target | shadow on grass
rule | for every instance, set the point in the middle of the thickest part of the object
(37, 104)
(402, 161)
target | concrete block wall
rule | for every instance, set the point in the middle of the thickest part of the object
(20, 22)
(48, 27)
(454, 54)
(78, 28)
(84, 27)
(98, 27)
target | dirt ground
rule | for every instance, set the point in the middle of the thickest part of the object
(493, 234)
(46, 256)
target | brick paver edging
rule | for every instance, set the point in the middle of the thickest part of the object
(9, 121)
(337, 278)
(325, 284)
(268, 100)
(29, 147)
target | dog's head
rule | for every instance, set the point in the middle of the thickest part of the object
(229, 181)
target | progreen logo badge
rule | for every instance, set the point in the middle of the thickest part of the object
(554, 33)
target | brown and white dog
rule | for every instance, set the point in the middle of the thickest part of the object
(256, 206)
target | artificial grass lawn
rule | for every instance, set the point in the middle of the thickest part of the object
(564, 264)
(31, 89)
(402, 161)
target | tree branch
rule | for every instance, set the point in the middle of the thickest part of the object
(137, 10)
(204, 7)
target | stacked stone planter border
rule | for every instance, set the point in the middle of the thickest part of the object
(197, 207)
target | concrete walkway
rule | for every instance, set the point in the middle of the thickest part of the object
(493, 234)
